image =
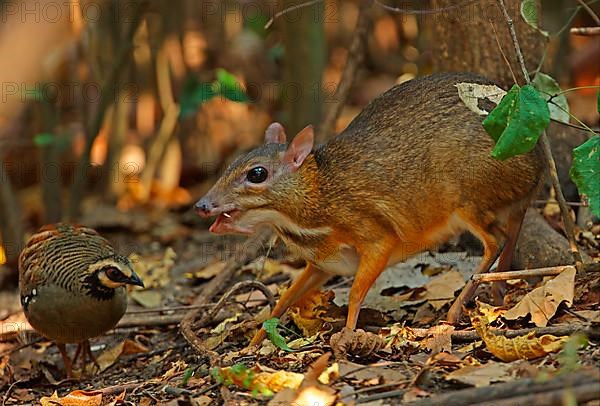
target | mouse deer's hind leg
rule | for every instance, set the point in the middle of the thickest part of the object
(492, 237)
(504, 262)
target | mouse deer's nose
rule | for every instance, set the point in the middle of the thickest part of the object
(203, 207)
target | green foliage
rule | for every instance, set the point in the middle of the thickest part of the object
(585, 171)
(270, 327)
(195, 93)
(530, 13)
(256, 24)
(559, 107)
(228, 86)
(517, 122)
(58, 141)
(568, 358)
(242, 376)
(43, 139)
(187, 374)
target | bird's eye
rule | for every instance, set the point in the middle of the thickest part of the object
(257, 175)
(115, 275)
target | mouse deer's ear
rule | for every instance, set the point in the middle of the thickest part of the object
(275, 134)
(299, 148)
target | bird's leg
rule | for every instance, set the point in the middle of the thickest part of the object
(67, 361)
(88, 355)
(77, 354)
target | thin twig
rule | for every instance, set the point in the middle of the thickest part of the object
(590, 11)
(574, 204)
(531, 273)
(585, 31)
(290, 9)
(233, 290)
(571, 125)
(415, 11)
(502, 51)
(545, 145)
(9, 390)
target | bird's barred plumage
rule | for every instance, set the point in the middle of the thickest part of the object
(72, 283)
(63, 254)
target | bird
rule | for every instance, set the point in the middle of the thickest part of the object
(72, 286)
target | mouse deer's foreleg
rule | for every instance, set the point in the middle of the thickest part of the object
(311, 278)
(372, 262)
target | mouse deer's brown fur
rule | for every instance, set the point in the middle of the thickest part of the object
(412, 170)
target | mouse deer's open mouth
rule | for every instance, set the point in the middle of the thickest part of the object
(225, 222)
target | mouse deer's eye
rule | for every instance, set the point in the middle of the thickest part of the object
(257, 175)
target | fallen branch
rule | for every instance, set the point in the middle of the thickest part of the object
(579, 394)
(559, 330)
(511, 391)
(531, 273)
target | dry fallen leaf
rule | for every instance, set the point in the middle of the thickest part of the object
(268, 267)
(154, 271)
(510, 349)
(278, 380)
(440, 290)
(110, 356)
(259, 379)
(208, 272)
(482, 375)
(147, 298)
(309, 313)
(75, 398)
(542, 302)
(439, 338)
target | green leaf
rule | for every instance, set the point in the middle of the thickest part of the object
(521, 117)
(559, 106)
(585, 172)
(568, 358)
(187, 374)
(270, 327)
(256, 23)
(495, 123)
(229, 87)
(193, 95)
(530, 13)
(43, 139)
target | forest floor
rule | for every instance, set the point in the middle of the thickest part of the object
(146, 360)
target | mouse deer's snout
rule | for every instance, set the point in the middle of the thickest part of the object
(205, 207)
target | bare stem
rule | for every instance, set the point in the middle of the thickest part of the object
(545, 145)
(590, 11)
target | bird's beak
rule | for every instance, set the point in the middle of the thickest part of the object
(135, 280)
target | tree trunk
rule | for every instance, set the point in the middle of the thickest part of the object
(303, 37)
(462, 39)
